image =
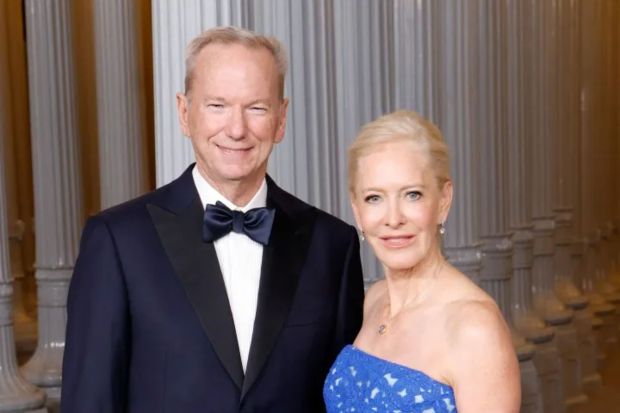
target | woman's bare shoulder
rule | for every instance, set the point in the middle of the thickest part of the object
(481, 355)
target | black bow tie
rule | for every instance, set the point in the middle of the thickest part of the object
(219, 220)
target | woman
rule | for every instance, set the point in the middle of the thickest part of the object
(431, 340)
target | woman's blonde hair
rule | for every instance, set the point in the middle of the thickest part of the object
(401, 126)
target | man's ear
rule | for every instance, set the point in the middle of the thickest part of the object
(283, 111)
(183, 113)
(445, 201)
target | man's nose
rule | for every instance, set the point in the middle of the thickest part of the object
(236, 127)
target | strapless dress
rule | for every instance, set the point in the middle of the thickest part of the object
(360, 382)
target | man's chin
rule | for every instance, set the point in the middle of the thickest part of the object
(241, 176)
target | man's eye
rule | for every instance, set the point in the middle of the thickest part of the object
(258, 109)
(372, 199)
(215, 106)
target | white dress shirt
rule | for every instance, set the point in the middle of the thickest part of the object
(240, 260)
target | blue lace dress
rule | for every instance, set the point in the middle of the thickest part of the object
(360, 382)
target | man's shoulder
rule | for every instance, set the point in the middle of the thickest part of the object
(136, 208)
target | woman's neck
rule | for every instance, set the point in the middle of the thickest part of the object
(408, 287)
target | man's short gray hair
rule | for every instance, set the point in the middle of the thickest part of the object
(235, 35)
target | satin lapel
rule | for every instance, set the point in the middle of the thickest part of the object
(282, 262)
(196, 264)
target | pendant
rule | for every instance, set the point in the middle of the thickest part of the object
(382, 329)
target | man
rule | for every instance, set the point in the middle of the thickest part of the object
(181, 303)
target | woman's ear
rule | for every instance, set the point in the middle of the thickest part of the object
(356, 212)
(445, 201)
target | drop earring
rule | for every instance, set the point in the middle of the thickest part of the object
(362, 236)
(442, 229)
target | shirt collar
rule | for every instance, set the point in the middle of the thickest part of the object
(209, 195)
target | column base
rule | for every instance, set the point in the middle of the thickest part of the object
(549, 368)
(531, 395)
(592, 382)
(19, 396)
(576, 400)
(30, 401)
(568, 346)
(53, 399)
(44, 369)
(587, 344)
(604, 325)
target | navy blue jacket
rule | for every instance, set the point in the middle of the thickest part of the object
(149, 325)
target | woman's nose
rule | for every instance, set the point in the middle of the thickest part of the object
(395, 217)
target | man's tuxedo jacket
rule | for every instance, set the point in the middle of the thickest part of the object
(149, 325)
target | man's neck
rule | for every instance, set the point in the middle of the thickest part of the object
(238, 192)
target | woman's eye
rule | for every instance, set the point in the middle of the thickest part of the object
(414, 195)
(371, 199)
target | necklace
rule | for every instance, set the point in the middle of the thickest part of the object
(383, 327)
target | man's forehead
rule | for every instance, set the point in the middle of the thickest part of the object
(219, 47)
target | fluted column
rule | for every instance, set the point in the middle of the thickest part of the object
(492, 128)
(364, 36)
(416, 53)
(458, 71)
(16, 226)
(554, 269)
(565, 188)
(609, 75)
(603, 89)
(541, 98)
(16, 394)
(615, 152)
(119, 106)
(564, 129)
(605, 325)
(306, 162)
(57, 195)
(519, 144)
(544, 224)
(616, 116)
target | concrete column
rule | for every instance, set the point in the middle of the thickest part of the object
(12, 132)
(364, 36)
(615, 103)
(492, 128)
(416, 50)
(556, 147)
(119, 106)
(608, 79)
(539, 98)
(606, 134)
(459, 42)
(58, 210)
(16, 228)
(604, 323)
(16, 394)
(308, 161)
(565, 188)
